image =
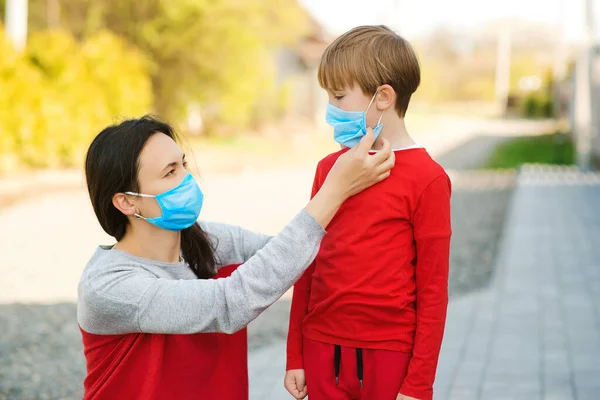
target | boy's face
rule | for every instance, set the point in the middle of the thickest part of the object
(353, 99)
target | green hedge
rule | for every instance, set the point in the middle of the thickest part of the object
(56, 95)
(537, 105)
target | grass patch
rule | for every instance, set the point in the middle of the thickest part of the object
(555, 149)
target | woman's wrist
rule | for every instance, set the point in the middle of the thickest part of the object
(332, 194)
(325, 204)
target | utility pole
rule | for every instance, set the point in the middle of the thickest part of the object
(503, 67)
(584, 129)
(559, 69)
(16, 22)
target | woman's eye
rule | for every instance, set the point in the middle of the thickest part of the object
(185, 164)
(170, 173)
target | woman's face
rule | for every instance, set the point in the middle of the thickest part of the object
(162, 166)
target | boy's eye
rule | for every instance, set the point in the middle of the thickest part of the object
(339, 97)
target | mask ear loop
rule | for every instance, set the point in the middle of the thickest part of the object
(371, 102)
(369, 106)
(138, 216)
(140, 195)
(380, 117)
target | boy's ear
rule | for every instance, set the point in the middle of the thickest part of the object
(386, 97)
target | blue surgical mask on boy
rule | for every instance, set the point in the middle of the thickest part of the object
(180, 206)
(350, 126)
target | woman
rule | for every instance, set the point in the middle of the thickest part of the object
(147, 302)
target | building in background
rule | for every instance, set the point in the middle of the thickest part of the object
(297, 69)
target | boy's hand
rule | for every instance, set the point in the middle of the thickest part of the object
(403, 397)
(295, 383)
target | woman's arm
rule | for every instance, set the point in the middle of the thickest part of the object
(127, 298)
(233, 244)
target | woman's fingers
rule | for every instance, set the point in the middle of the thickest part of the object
(366, 143)
(383, 176)
(387, 165)
(384, 154)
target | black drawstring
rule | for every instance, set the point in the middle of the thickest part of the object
(359, 366)
(337, 358)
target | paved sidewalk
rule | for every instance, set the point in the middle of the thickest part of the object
(535, 332)
(266, 369)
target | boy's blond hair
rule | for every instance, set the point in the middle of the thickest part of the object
(371, 56)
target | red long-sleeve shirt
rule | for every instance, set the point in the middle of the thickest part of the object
(380, 280)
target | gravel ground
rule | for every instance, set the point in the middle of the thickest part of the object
(480, 201)
(33, 338)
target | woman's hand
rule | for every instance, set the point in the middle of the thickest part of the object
(353, 172)
(357, 170)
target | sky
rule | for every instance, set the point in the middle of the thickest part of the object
(413, 18)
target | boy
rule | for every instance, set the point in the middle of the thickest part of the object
(368, 316)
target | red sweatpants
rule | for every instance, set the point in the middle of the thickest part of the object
(383, 372)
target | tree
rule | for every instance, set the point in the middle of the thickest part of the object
(60, 92)
(214, 52)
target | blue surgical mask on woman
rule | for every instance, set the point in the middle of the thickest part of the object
(350, 126)
(180, 206)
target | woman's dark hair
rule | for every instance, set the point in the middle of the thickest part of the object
(112, 165)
